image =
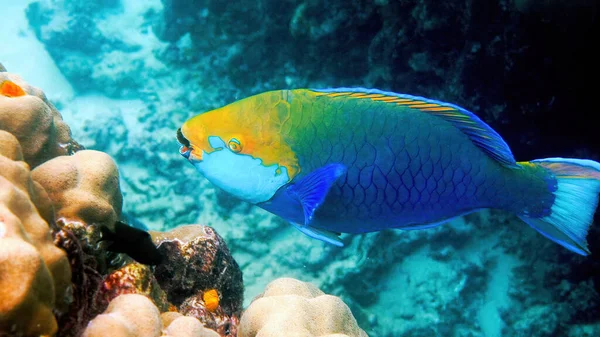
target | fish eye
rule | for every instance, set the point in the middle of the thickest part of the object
(235, 145)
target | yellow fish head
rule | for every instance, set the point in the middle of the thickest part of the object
(239, 147)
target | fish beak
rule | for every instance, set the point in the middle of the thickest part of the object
(185, 152)
(186, 148)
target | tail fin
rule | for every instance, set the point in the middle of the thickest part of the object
(575, 202)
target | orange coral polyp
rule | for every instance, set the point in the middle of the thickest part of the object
(211, 299)
(10, 89)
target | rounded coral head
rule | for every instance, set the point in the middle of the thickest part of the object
(290, 307)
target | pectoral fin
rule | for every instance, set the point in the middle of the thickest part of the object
(320, 234)
(311, 190)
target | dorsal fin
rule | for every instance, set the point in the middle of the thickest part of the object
(478, 131)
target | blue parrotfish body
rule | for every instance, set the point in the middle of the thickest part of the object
(353, 160)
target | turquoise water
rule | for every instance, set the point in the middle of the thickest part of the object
(126, 74)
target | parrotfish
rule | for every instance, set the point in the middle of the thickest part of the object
(354, 160)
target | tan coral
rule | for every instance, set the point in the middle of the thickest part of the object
(289, 307)
(134, 315)
(83, 187)
(169, 316)
(26, 306)
(28, 115)
(185, 326)
(35, 275)
(129, 315)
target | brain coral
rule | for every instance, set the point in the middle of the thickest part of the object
(289, 307)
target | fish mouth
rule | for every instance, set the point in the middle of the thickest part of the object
(186, 147)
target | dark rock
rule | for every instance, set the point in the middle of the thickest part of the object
(86, 280)
(218, 320)
(134, 278)
(198, 260)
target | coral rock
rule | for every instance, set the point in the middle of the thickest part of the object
(83, 187)
(211, 299)
(289, 307)
(130, 315)
(86, 282)
(2, 69)
(33, 120)
(198, 262)
(35, 275)
(133, 278)
(216, 318)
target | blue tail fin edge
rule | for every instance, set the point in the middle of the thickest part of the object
(576, 200)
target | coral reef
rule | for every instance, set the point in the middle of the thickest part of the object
(133, 278)
(86, 280)
(103, 61)
(127, 315)
(96, 287)
(185, 326)
(56, 273)
(35, 275)
(135, 315)
(200, 267)
(84, 190)
(511, 62)
(83, 187)
(289, 307)
(26, 113)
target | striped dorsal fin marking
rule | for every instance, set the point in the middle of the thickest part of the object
(481, 134)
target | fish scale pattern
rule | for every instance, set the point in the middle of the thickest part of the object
(405, 166)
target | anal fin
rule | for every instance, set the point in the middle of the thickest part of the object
(320, 234)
